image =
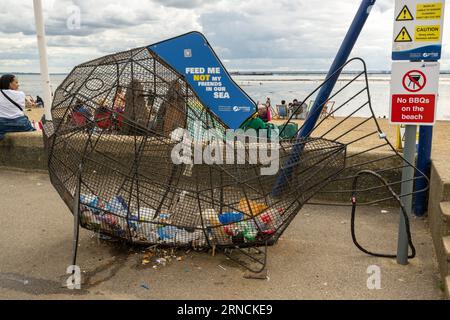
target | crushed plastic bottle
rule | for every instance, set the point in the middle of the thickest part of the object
(146, 214)
(230, 217)
(118, 206)
(167, 233)
(215, 229)
(251, 208)
(250, 231)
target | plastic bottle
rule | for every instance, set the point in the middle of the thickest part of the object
(250, 231)
(230, 217)
(118, 206)
(167, 233)
(250, 207)
(218, 233)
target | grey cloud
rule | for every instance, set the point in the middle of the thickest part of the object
(184, 4)
(245, 37)
(18, 55)
(250, 34)
(384, 5)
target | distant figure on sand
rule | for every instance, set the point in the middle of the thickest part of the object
(282, 110)
(300, 110)
(268, 103)
(269, 109)
(12, 105)
(39, 102)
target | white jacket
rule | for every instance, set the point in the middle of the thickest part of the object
(9, 110)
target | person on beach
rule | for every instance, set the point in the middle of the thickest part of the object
(30, 102)
(268, 110)
(290, 109)
(283, 109)
(299, 109)
(39, 102)
(12, 105)
(262, 111)
(119, 100)
(268, 103)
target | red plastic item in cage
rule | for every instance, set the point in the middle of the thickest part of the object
(78, 118)
(104, 119)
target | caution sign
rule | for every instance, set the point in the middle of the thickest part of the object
(427, 33)
(418, 30)
(403, 36)
(429, 11)
(405, 15)
(414, 90)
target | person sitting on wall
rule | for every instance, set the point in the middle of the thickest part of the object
(12, 105)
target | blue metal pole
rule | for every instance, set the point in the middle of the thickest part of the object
(424, 165)
(324, 93)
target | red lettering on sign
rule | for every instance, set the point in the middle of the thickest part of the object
(413, 108)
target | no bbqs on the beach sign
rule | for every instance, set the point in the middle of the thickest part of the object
(418, 30)
(414, 92)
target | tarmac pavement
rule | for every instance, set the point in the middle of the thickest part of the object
(315, 258)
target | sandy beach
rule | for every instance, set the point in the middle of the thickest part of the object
(441, 145)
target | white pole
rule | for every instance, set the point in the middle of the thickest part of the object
(42, 45)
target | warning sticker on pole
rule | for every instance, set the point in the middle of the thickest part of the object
(414, 90)
(429, 11)
(405, 15)
(418, 30)
(403, 36)
(427, 33)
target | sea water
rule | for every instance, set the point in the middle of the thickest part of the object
(287, 87)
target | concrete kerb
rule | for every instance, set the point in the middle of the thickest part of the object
(23, 151)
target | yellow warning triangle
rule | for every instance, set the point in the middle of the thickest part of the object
(404, 15)
(403, 36)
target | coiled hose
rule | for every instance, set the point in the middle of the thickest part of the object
(403, 211)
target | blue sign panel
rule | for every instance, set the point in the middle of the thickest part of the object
(192, 56)
(427, 53)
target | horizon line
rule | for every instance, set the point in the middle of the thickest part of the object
(244, 72)
(247, 72)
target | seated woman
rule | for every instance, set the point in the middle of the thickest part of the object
(264, 112)
(12, 105)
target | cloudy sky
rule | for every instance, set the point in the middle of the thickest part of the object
(247, 35)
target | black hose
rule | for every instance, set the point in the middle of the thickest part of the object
(403, 211)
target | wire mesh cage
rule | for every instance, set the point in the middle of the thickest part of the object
(111, 153)
(113, 120)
